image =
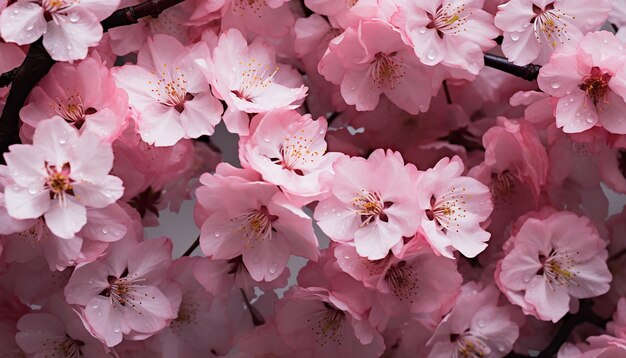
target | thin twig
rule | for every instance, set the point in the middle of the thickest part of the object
(528, 72)
(257, 318)
(193, 246)
(446, 90)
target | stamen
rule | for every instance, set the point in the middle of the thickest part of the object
(370, 206)
(448, 209)
(254, 80)
(328, 327)
(402, 281)
(549, 24)
(596, 85)
(449, 20)
(256, 225)
(386, 70)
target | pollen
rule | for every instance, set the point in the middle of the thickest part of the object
(596, 85)
(386, 70)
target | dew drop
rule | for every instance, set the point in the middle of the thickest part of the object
(33, 190)
(69, 47)
(62, 141)
(217, 234)
(481, 323)
(91, 280)
(577, 114)
(94, 306)
(501, 348)
(16, 11)
(273, 268)
(322, 131)
(431, 55)
(515, 36)
(105, 230)
(346, 257)
(422, 30)
(589, 119)
(117, 328)
(266, 140)
(74, 17)
(526, 25)
(555, 85)
(526, 279)
(30, 27)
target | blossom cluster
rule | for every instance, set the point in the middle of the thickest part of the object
(439, 207)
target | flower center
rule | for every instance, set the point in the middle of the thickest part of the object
(66, 347)
(469, 345)
(73, 110)
(370, 206)
(51, 6)
(186, 315)
(549, 25)
(448, 210)
(171, 91)
(558, 268)
(122, 291)
(449, 19)
(596, 85)
(254, 79)
(242, 6)
(328, 327)
(256, 225)
(502, 184)
(296, 152)
(58, 181)
(402, 281)
(386, 70)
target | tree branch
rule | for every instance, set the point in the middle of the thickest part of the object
(38, 62)
(528, 72)
(7, 77)
(193, 246)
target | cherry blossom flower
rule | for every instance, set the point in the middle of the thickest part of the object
(454, 33)
(374, 59)
(253, 83)
(476, 327)
(255, 220)
(289, 150)
(172, 100)
(533, 29)
(587, 84)
(454, 208)
(126, 293)
(83, 94)
(59, 332)
(313, 320)
(548, 264)
(372, 205)
(69, 28)
(59, 176)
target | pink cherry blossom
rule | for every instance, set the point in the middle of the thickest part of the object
(172, 100)
(255, 220)
(372, 205)
(533, 29)
(548, 264)
(83, 94)
(59, 176)
(454, 207)
(289, 150)
(476, 327)
(60, 331)
(454, 33)
(69, 28)
(249, 80)
(374, 59)
(252, 18)
(126, 293)
(314, 320)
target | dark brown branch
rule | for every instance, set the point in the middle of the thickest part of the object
(7, 77)
(257, 318)
(528, 72)
(37, 64)
(193, 246)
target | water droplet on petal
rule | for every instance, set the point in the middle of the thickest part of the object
(105, 230)
(346, 257)
(422, 30)
(481, 323)
(577, 114)
(555, 85)
(515, 36)
(273, 268)
(217, 234)
(16, 11)
(117, 328)
(33, 190)
(69, 47)
(322, 131)
(62, 141)
(74, 17)
(526, 279)
(91, 280)
(501, 348)
(266, 140)
(29, 27)
(431, 54)
(95, 306)
(590, 119)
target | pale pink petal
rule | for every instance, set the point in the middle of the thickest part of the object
(551, 303)
(201, 115)
(55, 137)
(65, 218)
(61, 40)
(160, 125)
(105, 319)
(22, 22)
(575, 112)
(266, 260)
(99, 195)
(21, 204)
